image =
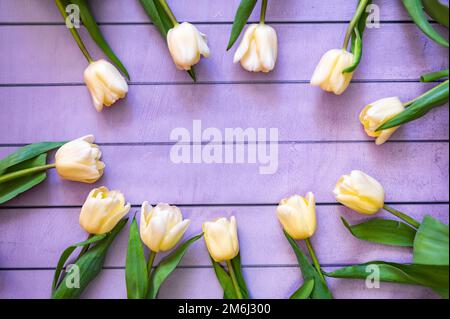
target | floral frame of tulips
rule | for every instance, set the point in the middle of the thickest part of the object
(161, 228)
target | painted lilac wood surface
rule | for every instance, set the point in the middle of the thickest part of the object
(146, 172)
(114, 11)
(336, 248)
(43, 98)
(155, 111)
(146, 57)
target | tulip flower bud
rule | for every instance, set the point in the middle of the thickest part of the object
(329, 72)
(376, 114)
(297, 215)
(360, 192)
(79, 160)
(161, 226)
(259, 48)
(221, 238)
(105, 83)
(186, 44)
(102, 210)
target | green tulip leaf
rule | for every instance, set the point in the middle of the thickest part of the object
(162, 22)
(437, 11)
(431, 244)
(357, 44)
(87, 267)
(89, 22)
(432, 276)
(320, 290)
(25, 153)
(437, 96)
(15, 187)
(383, 231)
(136, 275)
(66, 254)
(434, 76)
(416, 11)
(225, 281)
(237, 267)
(243, 13)
(167, 266)
(304, 292)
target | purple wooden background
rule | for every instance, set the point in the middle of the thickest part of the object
(42, 97)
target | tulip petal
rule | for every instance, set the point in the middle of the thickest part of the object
(323, 69)
(245, 43)
(174, 235)
(267, 46)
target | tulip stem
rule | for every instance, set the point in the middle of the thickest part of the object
(314, 257)
(234, 280)
(262, 18)
(24, 172)
(84, 249)
(151, 260)
(359, 11)
(402, 216)
(168, 11)
(74, 32)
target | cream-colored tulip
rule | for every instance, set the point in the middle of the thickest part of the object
(221, 238)
(328, 73)
(79, 160)
(360, 192)
(297, 215)
(105, 83)
(259, 48)
(186, 45)
(162, 226)
(376, 114)
(102, 210)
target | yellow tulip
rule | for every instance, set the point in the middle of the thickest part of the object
(105, 83)
(328, 73)
(186, 45)
(360, 192)
(297, 215)
(377, 113)
(79, 160)
(102, 210)
(259, 48)
(221, 238)
(162, 226)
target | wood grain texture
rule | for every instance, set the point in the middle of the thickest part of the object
(129, 11)
(150, 113)
(57, 59)
(333, 243)
(42, 97)
(186, 283)
(147, 173)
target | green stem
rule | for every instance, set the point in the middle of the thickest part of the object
(24, 172)
(424, 94)
(234, 280)
(262, 18)
(359, 11)
(84, 249)
(314, 257)
(74, 32)
(402, 216)
(151, 260)
(169, 12)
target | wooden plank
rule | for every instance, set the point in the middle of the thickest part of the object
(302, 112)
(195, 283)
(409, 172)
(147, 172)
(24, 246)
(145, 54)
(117, 11)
